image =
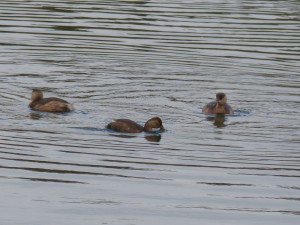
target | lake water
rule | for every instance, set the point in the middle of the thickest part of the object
(136, 60)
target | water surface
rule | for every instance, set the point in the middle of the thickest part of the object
(136, 60)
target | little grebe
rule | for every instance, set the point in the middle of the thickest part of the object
(129, 126)
(48, 104)
(219, 106)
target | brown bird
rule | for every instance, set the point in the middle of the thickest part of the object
(129, 126)
(48, 104)
(219, 106)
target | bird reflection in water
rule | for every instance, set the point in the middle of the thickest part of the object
(150, 137)
(35, 116)
(217, 119)
(153, 138)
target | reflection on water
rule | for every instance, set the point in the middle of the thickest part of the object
(148, 137)
(153, 138)
(139, 59)
(218, 119)
(35, 116)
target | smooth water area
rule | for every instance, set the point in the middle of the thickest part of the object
(137, 60)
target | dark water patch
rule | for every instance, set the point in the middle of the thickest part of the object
(75, 164)
(111, 155)
(224, 184)
(96, 201)
(19, 154)
(290, 187)
(252, 210)
(57, 9)
(213, 166)
(47, 180)
(280, 198)
(69, 28)
(57, 171)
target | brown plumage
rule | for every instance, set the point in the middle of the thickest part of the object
(219, 106)
(129, 126)
(48, 104)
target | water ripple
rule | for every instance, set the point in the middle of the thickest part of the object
(137, 59)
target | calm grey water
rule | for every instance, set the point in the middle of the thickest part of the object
(136, 60)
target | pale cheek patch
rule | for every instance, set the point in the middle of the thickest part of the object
(155, 129)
